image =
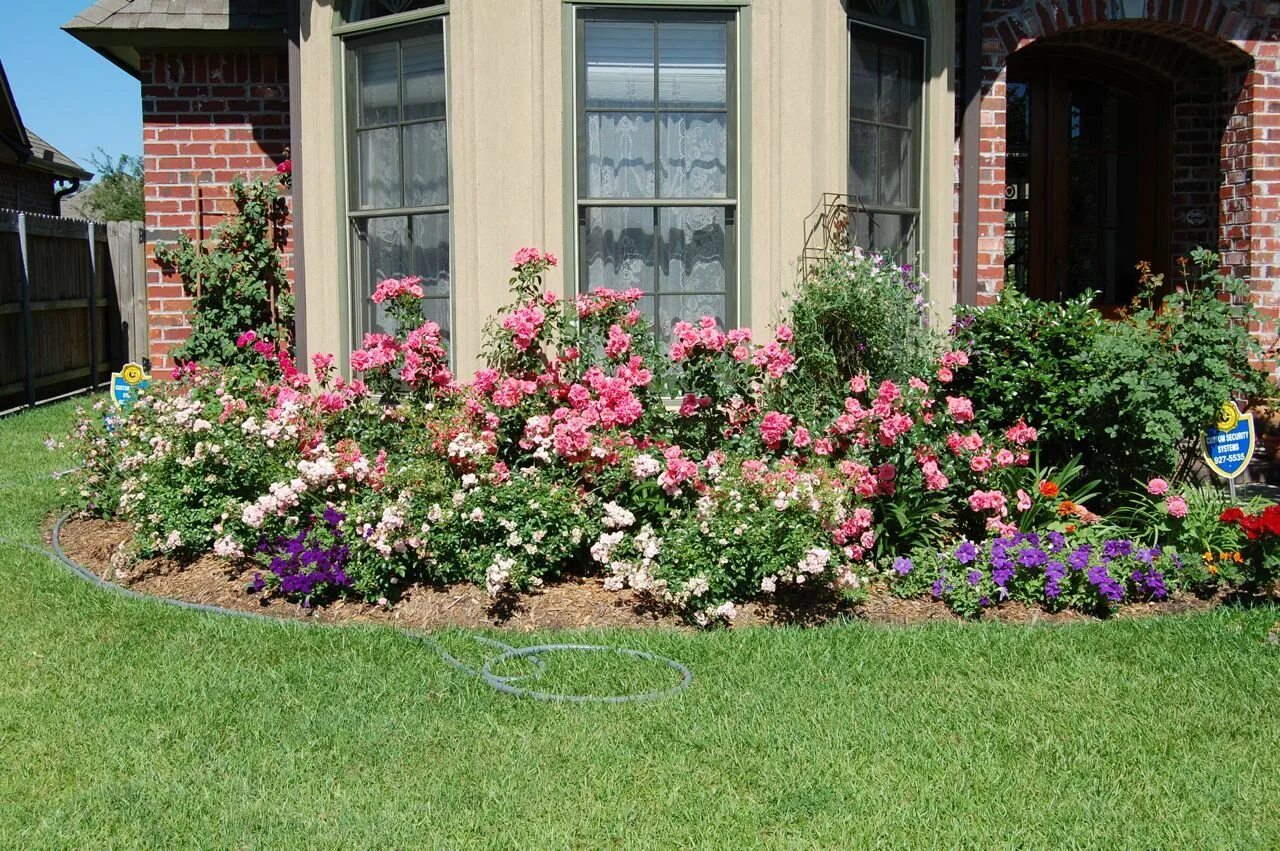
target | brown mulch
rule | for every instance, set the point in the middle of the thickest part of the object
(570, 603)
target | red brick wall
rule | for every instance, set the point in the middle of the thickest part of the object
(27, 190)
(207, 118)
(1226, 122)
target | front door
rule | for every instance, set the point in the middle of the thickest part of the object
(1087, 178)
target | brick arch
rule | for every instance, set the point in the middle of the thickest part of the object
(1237, 37)
(1212, 27)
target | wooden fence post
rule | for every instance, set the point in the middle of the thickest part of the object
(28, 341)
(93, 306)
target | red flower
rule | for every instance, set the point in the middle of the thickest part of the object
(1231, 515)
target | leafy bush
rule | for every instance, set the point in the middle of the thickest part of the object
(859, 313)
(1128, 396)
(117, 193)
(237, 281)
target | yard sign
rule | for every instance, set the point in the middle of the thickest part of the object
(126, 383)
(1229, 444)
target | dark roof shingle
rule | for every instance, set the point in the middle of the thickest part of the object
(48, 158)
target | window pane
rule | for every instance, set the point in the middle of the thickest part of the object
(423, 60)
(378, 86)
(429, 239)
(897, 172)
(899, 86)
(695, 155)
(863, 80)
(862, 162)
(437, 310)
(426, 164)
(619, 248)
(396, 246)
(620, 155)
(689, 308)
(692, 66)
(379, 172)
(692, 250)
(892, 233)
(386, 255)
(619, 57)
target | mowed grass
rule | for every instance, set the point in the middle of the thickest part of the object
(132, 724)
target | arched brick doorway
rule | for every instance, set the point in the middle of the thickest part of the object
(1114, 155)
(1135, 122)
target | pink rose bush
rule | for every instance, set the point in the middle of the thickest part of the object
(691, 473)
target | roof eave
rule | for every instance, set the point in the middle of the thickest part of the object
(123, 48)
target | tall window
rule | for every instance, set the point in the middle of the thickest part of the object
(398, 172)
(657, 161)
(886, 87)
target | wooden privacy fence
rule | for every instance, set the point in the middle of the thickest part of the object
(73, 304)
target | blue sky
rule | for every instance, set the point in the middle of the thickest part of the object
(67, 92)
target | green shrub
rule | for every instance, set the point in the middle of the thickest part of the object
(855, 313)
(1128, 396)
(237, 280)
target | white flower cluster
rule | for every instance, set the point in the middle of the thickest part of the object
(282, 497)
(645, 466)
(466, 445)
(815, 561)
(497, 578)
(617, 517)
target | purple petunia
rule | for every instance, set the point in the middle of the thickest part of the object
(974, 577)
(1106, 584)
(1112, 550)
(966, 552)
(1032, 557)
(1152, 582)
(902, 565)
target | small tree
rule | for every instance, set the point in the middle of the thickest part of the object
(116, 196)
(236, 279)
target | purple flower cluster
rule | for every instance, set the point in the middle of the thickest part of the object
(1106, 584)
(310, 561)
(1044, 568)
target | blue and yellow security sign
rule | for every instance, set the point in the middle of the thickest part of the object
(126, 383)
(1228, 445)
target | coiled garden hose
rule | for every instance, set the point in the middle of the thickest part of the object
(505, 684)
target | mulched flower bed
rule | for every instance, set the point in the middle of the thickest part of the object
(573, 603)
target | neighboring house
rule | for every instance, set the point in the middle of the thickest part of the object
(34, 175)
(678, 145)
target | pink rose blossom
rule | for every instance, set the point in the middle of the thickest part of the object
(774, 427)
(960, 408)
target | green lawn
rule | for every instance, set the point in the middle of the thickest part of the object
(126, 723)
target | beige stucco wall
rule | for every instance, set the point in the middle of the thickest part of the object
(507, 67)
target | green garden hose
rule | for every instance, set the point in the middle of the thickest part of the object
(506, 652)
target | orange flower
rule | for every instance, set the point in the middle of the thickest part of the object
(1213, 569)
(1048, 489)
(1208, 557)
(1071, 527)
(1066, 508)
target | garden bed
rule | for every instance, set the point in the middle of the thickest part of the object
(574, 602)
